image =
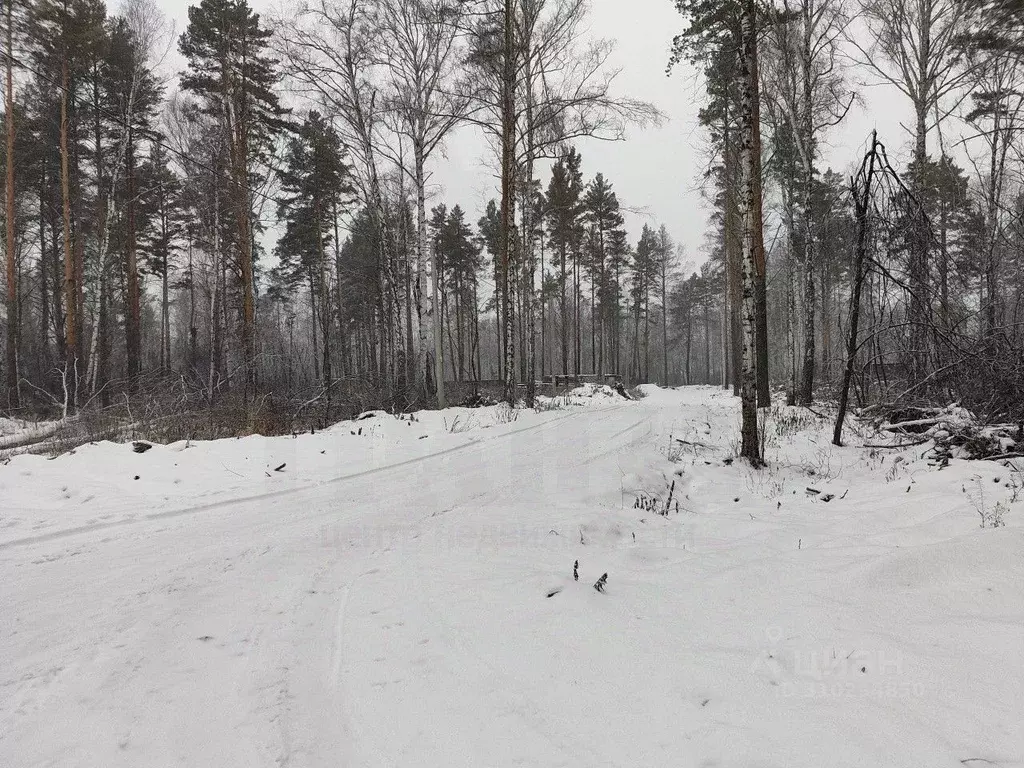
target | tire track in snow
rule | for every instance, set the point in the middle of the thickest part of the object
(511, 698)
(218, 505)
(337, 649)
(270, 650)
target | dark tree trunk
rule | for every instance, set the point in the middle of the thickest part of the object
(508, 118)
(70, 273)
(760, 265)
(133, 318)
(862, 201)
(13, 397)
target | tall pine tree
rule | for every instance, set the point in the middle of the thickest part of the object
(232, 73)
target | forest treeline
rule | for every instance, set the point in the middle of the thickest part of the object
(896, 280)
(260, 227)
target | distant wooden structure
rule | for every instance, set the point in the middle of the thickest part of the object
(555, 384)
(572, 380)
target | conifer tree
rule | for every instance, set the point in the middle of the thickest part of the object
(602, 210)
(131, 95)
(644, 277)
(163, 225)
(564, 209)
(66, 34)
(10, 209)
(314, 182)
(233, 75)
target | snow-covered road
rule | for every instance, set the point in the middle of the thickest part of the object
(398, 615)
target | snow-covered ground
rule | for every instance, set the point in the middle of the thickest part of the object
(383, 599)
(108, 484)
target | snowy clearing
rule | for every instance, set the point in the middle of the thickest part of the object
(383, 598)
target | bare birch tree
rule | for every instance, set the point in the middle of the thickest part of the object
(420, 53)
(749, 171)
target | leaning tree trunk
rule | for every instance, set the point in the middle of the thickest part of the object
(862, 201)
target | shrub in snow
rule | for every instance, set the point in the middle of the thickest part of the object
(478, 400)
(674, 451)
(991, 514)
(542, 404)
(993, 518)
(599, 584)
(1013, 484)
(459, 424)
(505, 414)
(789, 420)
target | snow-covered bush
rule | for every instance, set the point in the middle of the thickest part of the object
(598, 391)
(544, 404)
(789, 420)
(505, 414)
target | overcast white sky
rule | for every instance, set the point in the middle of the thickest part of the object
(655, 172)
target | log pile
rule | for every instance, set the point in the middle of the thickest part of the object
(953, 431)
